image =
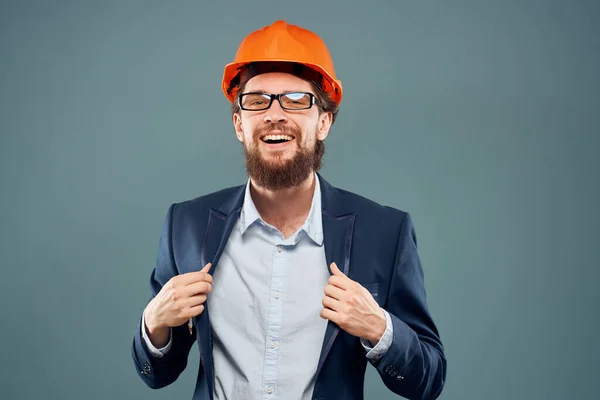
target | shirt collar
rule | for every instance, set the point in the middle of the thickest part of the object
(313, 226)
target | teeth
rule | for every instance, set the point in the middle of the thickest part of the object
(277, 137)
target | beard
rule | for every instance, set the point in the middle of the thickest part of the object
(283, 174)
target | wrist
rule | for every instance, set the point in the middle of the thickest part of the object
(378, 328)
(150, 321)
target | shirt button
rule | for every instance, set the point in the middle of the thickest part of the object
(277, 295)
(273, 344)
(279, 248)
(269, 390)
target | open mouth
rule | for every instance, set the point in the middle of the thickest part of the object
(276, 139)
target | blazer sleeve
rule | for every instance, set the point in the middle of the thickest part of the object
(160, 372)
(415, 365)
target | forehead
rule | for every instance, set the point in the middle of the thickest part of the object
(277, 82)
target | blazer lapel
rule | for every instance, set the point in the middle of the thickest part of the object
(337, 232)
(219, 227)
(338, 229)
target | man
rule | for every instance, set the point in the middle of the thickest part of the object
(288, 284)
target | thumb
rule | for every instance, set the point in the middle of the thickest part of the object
(335, 270)
(206, 268)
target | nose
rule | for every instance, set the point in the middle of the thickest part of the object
(275, 113)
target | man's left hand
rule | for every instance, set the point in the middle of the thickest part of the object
(352, 307)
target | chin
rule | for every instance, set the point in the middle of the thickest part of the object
(276, 161)
(277, 158)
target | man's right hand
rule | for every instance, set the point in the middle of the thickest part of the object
(180, 299)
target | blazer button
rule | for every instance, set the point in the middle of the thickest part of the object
(147, 369)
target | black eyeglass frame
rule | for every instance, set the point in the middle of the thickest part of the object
(313, 100)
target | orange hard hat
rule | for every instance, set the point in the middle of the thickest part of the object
(283, 42)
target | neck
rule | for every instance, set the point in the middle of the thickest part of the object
(286, 209)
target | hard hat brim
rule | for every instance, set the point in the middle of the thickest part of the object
(331, 86)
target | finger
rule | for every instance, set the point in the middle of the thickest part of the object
(204, 275)
(331, 315)
(197, 276)
(335, 270)
(206, 268)
(196, 288)
(334, 292)
(195, 301)
(196, 310)
(330, 303)
(207, 277)
(339, 281)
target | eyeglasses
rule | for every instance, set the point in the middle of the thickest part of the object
(257, 101)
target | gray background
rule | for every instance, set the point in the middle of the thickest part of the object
(479, 118)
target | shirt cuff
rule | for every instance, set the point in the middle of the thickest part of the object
(375, 353)
(158, 353)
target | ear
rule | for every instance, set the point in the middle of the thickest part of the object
(237, 125)
(324, 124)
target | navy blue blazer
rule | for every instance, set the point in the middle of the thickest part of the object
(372, 244)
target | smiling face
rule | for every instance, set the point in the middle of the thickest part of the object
(282, 147)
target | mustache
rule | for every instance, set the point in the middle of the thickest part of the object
(283, 128)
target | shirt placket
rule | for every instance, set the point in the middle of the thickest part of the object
(269, 384)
